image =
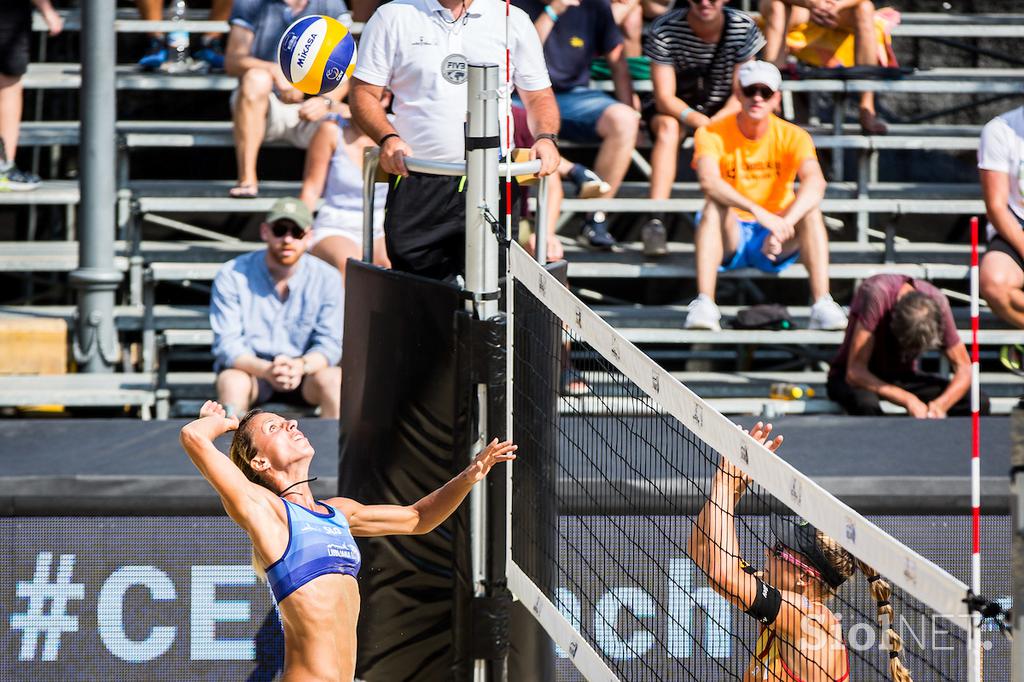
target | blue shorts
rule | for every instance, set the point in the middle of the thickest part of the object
(580, 109)
(748, 251)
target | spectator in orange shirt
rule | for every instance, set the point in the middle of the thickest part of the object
(746, 164)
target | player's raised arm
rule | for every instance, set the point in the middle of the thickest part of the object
(197, 438)
(430, 511)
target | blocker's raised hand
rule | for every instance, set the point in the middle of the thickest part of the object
(494, 453)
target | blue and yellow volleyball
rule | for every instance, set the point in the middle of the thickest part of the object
(316, 53)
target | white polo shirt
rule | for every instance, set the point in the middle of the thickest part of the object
(410, 47)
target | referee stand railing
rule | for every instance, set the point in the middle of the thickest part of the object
(486, 234)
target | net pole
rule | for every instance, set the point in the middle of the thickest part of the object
(540, 228)
(975, 632)
(371, 160)
(1017, 547)
(482, 146)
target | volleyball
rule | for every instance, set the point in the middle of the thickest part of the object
(315, 53)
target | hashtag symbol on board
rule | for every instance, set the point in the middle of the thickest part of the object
(41, 592)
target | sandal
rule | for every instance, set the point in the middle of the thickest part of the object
(244, 191)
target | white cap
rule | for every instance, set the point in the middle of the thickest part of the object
(764, 73)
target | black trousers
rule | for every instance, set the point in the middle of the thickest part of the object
(927, 387)
(425, 224)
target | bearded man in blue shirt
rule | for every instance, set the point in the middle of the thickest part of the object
(276, 316)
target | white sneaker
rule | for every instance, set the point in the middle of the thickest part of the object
(702, 313)
(826, 314)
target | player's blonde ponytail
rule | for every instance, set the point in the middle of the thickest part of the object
(881, 591)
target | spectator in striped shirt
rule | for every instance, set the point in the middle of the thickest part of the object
(695, 51)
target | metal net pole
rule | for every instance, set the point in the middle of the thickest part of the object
(1017, 547)
(482, 145)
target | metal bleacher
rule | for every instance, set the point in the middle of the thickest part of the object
(165, 333)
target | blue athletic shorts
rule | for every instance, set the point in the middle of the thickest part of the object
(748, 252)
(581, 108)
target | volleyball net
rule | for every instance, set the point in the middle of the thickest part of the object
(635, 504)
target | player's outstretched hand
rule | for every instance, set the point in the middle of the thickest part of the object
(494, 453)
(211, 408)
(762, 434)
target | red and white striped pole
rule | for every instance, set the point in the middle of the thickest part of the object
(975, 667)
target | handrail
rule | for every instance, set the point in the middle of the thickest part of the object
(371, 161)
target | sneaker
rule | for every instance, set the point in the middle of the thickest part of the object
(1012, 358)
(655, 238)
(826, 314)
(14, 180)
(589, 184)
(155, 56)
(595, 234)
(212, 53)
(702, 313)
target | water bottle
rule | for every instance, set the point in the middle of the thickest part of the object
(177, 41)
(787, 391)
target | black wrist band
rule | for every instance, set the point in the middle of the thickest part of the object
(547, 136)
(384, 139)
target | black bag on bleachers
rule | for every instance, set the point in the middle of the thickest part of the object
(764, 316)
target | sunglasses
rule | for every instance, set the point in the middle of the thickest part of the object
(752, 90)
(279, 230)
(782, 552)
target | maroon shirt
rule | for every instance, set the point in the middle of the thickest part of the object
(872, 309)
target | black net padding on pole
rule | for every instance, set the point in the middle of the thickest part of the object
(401, 425)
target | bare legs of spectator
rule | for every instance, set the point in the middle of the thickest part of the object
(337, 250)
(780, 17)
(812, 239)
(618, 128)
(629, 17)
(11, 96)
(255, 88)
(667, 133)
(668, 136)
(718, 234)
(1001, 281)
(861, 20)
(777, 17)
(323, 388)
(236, 391)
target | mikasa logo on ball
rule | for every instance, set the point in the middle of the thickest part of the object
(305, 50)
(454, 68)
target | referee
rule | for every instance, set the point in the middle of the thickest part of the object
(420, 50)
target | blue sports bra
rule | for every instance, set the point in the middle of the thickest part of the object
(318, 544)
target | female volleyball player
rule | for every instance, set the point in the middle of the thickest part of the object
(305, 545)
(800, 638)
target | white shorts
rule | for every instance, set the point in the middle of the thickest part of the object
(284, 122)
(348, 224)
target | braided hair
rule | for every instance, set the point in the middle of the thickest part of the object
(846, 564)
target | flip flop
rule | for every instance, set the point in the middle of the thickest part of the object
(246, 191)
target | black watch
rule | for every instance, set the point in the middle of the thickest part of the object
(547, 136)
